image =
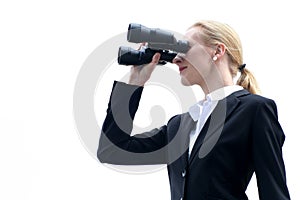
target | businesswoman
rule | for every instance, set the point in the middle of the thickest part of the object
(213, 149)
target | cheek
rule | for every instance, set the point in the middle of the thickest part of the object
(200, 64)
(198, 57)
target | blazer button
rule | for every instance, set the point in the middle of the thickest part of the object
(183, 173)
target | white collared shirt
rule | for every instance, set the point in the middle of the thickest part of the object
(203, 109)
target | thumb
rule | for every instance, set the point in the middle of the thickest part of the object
(155, 58)
(151, 66)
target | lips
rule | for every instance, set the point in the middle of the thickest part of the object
(182, 68)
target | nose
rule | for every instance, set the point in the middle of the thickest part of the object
(177, 60)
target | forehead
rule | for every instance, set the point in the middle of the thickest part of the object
(193, 35)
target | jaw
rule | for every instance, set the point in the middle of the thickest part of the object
(185, 82)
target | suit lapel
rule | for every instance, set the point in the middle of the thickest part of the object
(213, 127)
(186, 126)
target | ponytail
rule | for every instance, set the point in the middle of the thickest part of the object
(248, 81)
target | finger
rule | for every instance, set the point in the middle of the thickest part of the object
(142, 45)
(155, 58)
(152, 64)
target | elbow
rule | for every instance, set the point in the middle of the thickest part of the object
(109, 152)
(107, 155)
(102, 157)
(104, 150)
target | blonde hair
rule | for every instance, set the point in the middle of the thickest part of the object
(214, 33)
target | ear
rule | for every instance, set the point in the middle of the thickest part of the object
(220, 50)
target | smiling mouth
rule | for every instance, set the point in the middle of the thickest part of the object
(182, 68)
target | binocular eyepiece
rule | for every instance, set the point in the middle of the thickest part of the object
(157, 40)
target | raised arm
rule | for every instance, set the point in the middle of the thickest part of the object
(116, 145)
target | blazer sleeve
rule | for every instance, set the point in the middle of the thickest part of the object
(268, 139)
(116, 145)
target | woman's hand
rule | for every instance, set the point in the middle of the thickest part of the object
(139, 75)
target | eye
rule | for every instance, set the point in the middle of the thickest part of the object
(191, 43)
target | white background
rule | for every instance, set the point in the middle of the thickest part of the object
(43, 45)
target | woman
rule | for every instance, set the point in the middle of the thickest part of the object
(213, 150)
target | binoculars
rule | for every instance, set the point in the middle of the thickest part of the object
(158, 41)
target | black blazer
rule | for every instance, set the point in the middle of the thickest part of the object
(241, 136)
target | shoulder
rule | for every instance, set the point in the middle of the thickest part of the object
(253, 99)
(257, 104)
(180, 120)
(253, 104)
(175, 120)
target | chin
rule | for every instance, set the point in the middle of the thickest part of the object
(185, 82)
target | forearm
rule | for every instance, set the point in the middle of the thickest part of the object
(116, 146)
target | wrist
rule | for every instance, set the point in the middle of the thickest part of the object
(136, 83)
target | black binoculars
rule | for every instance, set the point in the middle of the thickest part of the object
(157, 40)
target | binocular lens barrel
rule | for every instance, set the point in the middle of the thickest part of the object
(181, 46)
(130, 56)
(138, 33)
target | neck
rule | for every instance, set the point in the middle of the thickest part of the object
(208, 89)
(217, 80)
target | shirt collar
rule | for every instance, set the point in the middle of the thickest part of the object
(223, 92)
(219, 94)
